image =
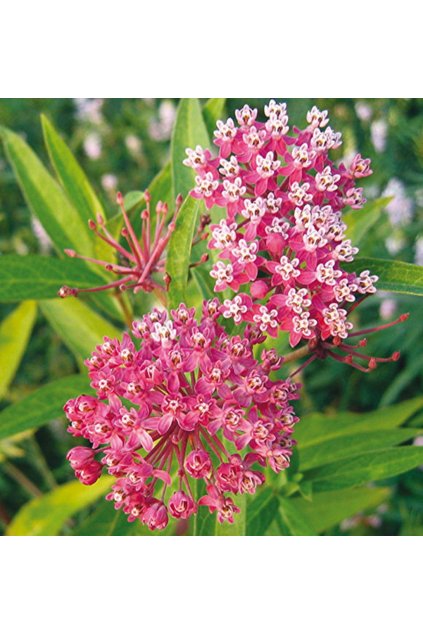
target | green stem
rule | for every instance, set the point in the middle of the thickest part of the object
(22, 479)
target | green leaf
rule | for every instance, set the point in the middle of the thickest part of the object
(40, 277)
(42, 405)
(291, 519)
(189, 131)
(15, 331)
(328, 509)
(47, 514)
(369, 467)
(262, 509)
(396, 277)
(80, 327)
(212, 111)
(359, 222)
(45, 197)
(179, 251)
(353, 445)
(74, 181)
(316, 428)
(239, 526)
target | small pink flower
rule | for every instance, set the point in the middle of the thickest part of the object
(163, 408)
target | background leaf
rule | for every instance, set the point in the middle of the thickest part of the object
(189, 131)
(291, 519)
(317, 428)
(261, 511)
(359, 222)
(329, 508)
(213, 111)
(353, 445)
(75, 183)
(15, 331)
(397, 277)
(179, 251)
(369, 467)
(42, 405)
(47, 514)
(80, 327)
(45, 198)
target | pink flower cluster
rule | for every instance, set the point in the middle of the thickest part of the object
(282, 245)
(190, 403)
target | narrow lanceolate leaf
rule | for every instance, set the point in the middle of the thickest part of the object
(261, 511)
(397, 277)
(15, 331)
(317, 428)
(359, 222)
(212, 111)
(292, 521)
(369, 467)
(330, 508)
(80, 327)
(74, 182)
(45, 198)
(42, 406)
(179, 251)
(189, 131)
(47, 514)
(353, 445)
(40, 277)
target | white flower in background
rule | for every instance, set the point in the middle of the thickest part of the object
(388, 308)
(89, 110)
(133, 143)
(109, 182)
(92, 146)
(161, 129)
(364, 111)
(41, 235)
(418, 259)
(378, 132)
(394, 244)
(400, 208)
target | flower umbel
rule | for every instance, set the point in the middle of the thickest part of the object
(282, 246)
(191, 403)
(141, 259)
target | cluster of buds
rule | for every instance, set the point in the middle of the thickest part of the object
(282, 245)
(189, 403)
(142, 261)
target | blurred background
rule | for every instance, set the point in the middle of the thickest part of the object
(121, 144)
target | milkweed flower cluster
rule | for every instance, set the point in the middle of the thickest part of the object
(282, 245)
(190, 403)
(141, 260)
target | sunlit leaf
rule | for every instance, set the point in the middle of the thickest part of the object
(47, 514)
(15, 331)
(80, 327)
